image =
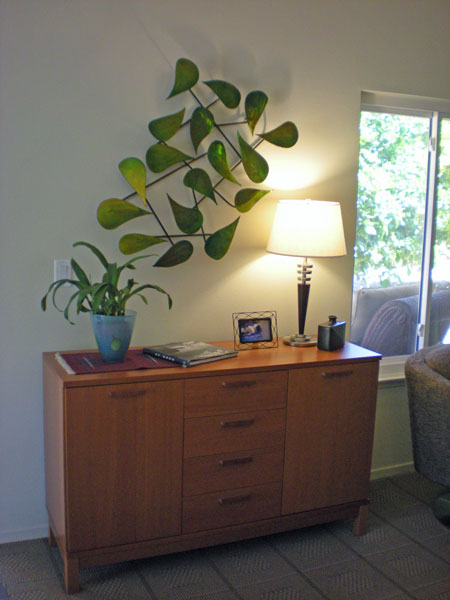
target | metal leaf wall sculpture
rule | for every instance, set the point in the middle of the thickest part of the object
(169, 160)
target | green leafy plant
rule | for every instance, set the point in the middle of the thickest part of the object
(104, 297)
(202, 181)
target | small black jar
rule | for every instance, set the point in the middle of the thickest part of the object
(331, 335)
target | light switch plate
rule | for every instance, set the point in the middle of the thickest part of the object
(62, 270)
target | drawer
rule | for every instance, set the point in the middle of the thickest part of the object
(244, 505)
(205, 474)
(227, 433)
(235, 393)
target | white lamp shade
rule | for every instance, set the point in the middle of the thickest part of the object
(307, 228)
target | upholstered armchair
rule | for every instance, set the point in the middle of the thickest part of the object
(427, 375)
(385, 319)
(392, 329)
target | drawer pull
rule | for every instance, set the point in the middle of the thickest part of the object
(242, 460)
(238, 384)
(239, 423)
(127, 394)
(335, 374)
(234, 499)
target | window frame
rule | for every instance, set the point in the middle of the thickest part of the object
(436, 110)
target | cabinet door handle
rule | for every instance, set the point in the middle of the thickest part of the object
(127, 394)
(234, 499)
(238, 384)
(336, 374)
(241, 460)
(239, 423)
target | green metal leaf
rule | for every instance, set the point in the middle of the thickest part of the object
(165, 127)
(186, 76)
(255, 103)
(114, 212)
(254, 164)
(176, 254)
(217, 245)
(286, 135)
(160, 157)
(217, 156)
(135, 242)
(227, 92)
(188, 220)
(247, 198)
(199, 180)
(202, 121)
(133, 169)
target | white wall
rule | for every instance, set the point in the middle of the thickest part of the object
(80, 80)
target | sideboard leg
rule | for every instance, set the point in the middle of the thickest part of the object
(51, 537)
(360, 522)
(71, 575)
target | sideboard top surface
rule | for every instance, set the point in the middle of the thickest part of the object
(267, 359)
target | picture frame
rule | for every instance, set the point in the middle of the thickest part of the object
(255, 330)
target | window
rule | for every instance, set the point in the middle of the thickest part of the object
(401, 283)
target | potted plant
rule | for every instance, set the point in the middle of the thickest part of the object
(105, 300)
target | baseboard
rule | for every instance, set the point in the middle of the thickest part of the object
(22, 535)
(392, 470)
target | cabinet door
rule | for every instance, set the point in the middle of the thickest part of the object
(329, 435)
(123, 463)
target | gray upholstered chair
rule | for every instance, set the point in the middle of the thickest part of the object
(427, 375)
(392, 329)
(385, 319)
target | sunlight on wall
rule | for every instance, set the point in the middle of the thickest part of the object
(259, 284)
(277, 274)
(292, 173)
(271, 268)
(266, 269)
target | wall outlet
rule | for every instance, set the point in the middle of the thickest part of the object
(62, 270)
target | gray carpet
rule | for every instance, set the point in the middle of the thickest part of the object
(405, 555)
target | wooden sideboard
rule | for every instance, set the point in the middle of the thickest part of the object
(149, 462)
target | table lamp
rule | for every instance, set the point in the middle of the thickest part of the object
(307, 228)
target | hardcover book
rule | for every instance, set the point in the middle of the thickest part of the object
(190, 353)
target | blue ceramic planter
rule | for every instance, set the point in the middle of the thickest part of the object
(113, 335)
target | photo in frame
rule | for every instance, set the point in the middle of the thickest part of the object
(255, 330)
